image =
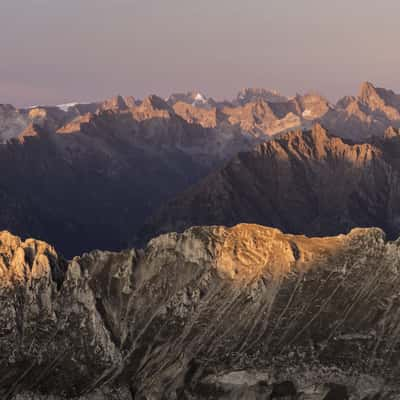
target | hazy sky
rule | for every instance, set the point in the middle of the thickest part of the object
(54, 51)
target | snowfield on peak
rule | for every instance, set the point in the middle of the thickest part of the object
(200, 97)
(65, 107)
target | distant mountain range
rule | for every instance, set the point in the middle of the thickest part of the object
(89, 175)
(256, 113)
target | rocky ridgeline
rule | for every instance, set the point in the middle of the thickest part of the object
(213, 313)
(303, 182)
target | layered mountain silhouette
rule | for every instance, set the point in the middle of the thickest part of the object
(258, 113)
(88, 175)
(304, 182)
(90, 182)
(231, 310)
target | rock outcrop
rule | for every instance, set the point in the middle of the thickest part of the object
(213, 313)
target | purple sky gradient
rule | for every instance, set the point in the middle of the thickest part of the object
(56, 51)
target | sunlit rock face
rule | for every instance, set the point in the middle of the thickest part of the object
(213, 313)
(368, 114)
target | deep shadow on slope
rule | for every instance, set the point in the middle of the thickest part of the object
(94, 187)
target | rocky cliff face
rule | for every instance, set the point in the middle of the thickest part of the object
(213, 313)
(305, 182)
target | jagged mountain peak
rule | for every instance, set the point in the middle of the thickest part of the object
(368, 92)
(154, 102)
(249, 94)
(316, 134)
(366, 88)
(118, 103)
(194, 98)
(376, 96)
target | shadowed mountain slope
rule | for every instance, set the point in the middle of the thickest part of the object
(305, 182)
(91, 183)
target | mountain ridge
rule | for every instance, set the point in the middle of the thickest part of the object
(212, 313)
(369, 113)
(304, 182)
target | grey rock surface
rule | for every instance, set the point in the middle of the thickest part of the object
(213, 313)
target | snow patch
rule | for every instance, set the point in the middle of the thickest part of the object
(200, 98)
(307, 113)
(67, 106)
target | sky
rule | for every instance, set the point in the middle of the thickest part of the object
(57, 51)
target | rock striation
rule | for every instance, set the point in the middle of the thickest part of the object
(213, 313)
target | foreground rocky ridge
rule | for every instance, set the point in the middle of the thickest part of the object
(212, 313)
